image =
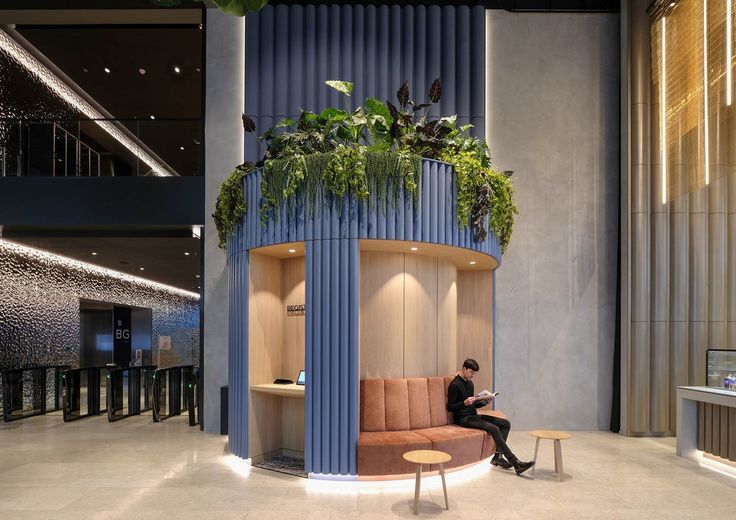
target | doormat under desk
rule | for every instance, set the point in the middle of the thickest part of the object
(284, 464)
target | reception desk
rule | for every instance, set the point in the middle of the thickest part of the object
(706, 423)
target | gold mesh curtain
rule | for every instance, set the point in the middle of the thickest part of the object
(688, 77)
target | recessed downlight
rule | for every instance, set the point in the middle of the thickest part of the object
(141, 268)
(177, 69)
(107, 71)
(94, 253)
(181, 148)
(292, 250)
(142, 71)
(196, 276)
(186, 253)
(472, 262)
(414, 248)
(152, 116)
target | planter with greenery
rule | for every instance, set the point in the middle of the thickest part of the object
(368, 151)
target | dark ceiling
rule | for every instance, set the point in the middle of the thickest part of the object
(143, 80)
(163, 259)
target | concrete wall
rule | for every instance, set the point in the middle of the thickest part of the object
(223, 151)
(553, 118)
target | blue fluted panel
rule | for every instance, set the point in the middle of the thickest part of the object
(238, 354)
(331, 400)
(291, 50)
(434, 220)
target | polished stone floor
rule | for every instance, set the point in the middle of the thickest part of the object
(136, 469)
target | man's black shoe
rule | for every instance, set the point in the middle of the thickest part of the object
(501, 463)
(521, 467)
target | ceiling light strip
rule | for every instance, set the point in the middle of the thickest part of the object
(42, 255)
(663, 111)
(35, 67)
(705, 90)
(728, 51)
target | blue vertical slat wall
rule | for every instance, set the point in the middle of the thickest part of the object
(431, 218)
(238, 353)
(331, 432)
(291, 50)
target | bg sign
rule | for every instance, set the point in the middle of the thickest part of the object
(121, 336)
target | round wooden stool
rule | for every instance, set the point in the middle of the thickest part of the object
(557, 437)
(420, 457)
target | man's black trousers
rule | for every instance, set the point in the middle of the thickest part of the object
(496, 427)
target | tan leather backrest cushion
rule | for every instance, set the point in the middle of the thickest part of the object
(397, 404)
(437, 391)
(419, 414)
(448, 379)
(372, 406)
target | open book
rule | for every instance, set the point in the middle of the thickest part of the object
(485, 394)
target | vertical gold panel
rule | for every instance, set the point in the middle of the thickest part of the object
(708, 428)
(701, 426)
(381, 315)
(294, 293)
(474, 323)
(723, 437)
(292, 420)
(420, 316)
(265, 357)
(732, 434)
(294, 288)
(446, 318)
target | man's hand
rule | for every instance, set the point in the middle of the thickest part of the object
(470, 400)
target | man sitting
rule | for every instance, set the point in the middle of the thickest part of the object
(461, 401)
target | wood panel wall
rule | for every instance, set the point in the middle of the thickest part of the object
(475, 323)
(292, 409)
(381, 315)
(417, 320)
(265, 356)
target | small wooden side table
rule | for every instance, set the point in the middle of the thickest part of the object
(556, 437)
(420, 457)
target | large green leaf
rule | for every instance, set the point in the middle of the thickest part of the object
(333, 114)
(285, 123)
(376, 107)
(341, 86)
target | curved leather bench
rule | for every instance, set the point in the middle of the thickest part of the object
(399, 415)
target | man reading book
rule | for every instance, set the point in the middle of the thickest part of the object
(462, 402)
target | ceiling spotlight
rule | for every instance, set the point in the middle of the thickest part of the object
(85, 69)
(141, 268)
(197, 69)
(107, 70)
(181, 148)
(141, 71)
(94, 253)
(200, 27)
(152, 116)
(196, 141)
(414, 248)
(177, 69)
(472, 262)
(196, 276)
(186, 253)
(292, 250)
(672, 4)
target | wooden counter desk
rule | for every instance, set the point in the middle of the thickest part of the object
(292, 390)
